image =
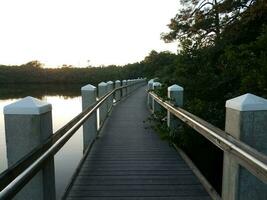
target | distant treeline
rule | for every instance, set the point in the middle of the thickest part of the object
(32, 72)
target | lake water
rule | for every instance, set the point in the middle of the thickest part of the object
(66, 104)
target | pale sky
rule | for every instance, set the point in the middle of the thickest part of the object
(58, 32)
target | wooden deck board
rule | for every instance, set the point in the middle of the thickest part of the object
(129, 161)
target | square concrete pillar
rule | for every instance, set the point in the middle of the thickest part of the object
(28, 123)
(156, 107)
(118, 92)
(124, 90)
(129, 89)
(175, 93)
(246, 118)
(110, 99)
(90, 126)
(135, 84)
(132, 87)
(103, 111)
(149, 88)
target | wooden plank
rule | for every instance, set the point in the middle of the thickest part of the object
(140, 198)
(136, 179)
(136, 193)
(97, 168)
(122, 187)
(129, 161)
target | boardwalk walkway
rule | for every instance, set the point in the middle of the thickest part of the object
(129, 161)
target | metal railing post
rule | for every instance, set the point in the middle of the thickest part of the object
(246, 118)
(28, 123)
(90, 126)
(175, 93)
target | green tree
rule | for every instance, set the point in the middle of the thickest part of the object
(34, 63)
(199, 23)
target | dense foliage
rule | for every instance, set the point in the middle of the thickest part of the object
(223, 54)
(33, 72)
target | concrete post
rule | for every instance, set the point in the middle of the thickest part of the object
(118, 92)
(155, 106)
(110, 99)
(134, 81)
(90, 126)
(124, 90)
(133, 87)
(246, 118)
(28, 123)
(129, 89)
(149, 87)
(175, 93)
(102, 91)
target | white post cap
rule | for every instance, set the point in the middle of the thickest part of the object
(247, 102)
(151, 81)
(102, 84)
(156, 84)
(110, 82)
(124, 81)
(27, 106)
(117, 81)
(88, 87)
(175, 88)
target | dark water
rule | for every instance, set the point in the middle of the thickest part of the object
(66, 104)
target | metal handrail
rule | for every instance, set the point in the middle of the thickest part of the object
(15, 178)
(247, 156)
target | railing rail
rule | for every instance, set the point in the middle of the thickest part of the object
(247, 156)
(16, 177)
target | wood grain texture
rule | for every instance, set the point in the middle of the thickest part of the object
(130, 161)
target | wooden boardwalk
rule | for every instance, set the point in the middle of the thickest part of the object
(129, 161)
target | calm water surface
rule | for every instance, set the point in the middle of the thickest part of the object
(66, 104)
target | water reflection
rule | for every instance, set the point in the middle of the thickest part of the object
(66, 104)
(15, 91)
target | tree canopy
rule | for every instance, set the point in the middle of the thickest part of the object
(200, 23)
